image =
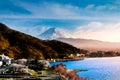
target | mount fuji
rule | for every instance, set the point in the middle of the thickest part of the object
(88, 44)
(54, 33)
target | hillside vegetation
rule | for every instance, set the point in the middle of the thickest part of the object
(19, 45)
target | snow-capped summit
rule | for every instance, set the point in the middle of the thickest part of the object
(54, 33)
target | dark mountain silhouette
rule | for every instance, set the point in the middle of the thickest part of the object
(19, 45)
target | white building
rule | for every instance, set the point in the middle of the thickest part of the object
(17, 67)
(4, 60)
(22, 61)
(1, 63)
(45, 63)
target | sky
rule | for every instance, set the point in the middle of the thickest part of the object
(89, 19)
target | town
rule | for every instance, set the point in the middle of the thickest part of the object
(25, 69)
(41, 69)
(31, 68)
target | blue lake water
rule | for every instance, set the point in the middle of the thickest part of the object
(107, 68)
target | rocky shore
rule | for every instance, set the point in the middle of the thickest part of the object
(67, 74)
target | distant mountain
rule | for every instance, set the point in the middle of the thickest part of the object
(19, 45)
(92, 45)
(88, 44)
(54, 33)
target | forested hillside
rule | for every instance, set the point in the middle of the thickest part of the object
(19, 45)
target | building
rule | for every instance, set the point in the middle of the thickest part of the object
(4, 60)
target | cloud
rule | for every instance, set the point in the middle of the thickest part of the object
(7, 8)
(117, 2)
(53, 10)
(32, 27)
(33, 30)
(90, 6)
(107, 7)
(99, 31)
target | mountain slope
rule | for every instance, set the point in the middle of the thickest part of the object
(19, 45)
(54, 33)
(62, 48)
(89, 44)
(92, 45)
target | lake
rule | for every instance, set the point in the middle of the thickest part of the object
(106, 68)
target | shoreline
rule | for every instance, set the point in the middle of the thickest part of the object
(68, 74)
(64, 60)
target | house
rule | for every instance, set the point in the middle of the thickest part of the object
(16, 67)
(22, 61)
(1, 63)
(45, 63)
(4, 60)
(80, 55)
